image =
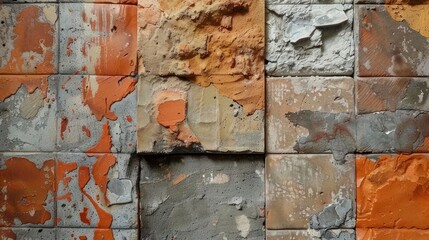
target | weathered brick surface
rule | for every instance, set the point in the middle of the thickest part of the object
(202, 197)
(332, 234)
(309, 40)
(22, 49)
(309, 191)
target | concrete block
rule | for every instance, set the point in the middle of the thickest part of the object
(97, 114)
(310, 115)
(332, 234)
(386, 51)
(391, 94)
(97, 190)
(28, 39)
(305, 40)
(98, 39)
(386, 233)
(175, 115)
(310, 191)
(223, 37)
(202, 197)
(27, 185)
(28, 233)
(95, 234)
(27, 112)
(391, 192)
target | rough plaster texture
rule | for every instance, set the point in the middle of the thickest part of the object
(202, 197)
(332, 234)
(309, 40)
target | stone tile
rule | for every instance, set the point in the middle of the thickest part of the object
(28, 38)
(202, 197)
(386, 233)
(333, 234)
(95, 234)
(399, 131)
(305, 40)
(310, 115)
(310, 191)
(393, 40)
(97, 114)
(28, 233)
(175, 115)
(201, 38)
(27, 112)
(391, 192)
(97, 190)
(391, 94)
(98, 39)
(27, 183)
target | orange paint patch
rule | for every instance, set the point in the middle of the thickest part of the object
(100, 169)
(416, 15)
(179, 179)
(27, 188)
(103, 234)
(129, 118)
(7, 234)
(86, 131)
(171, 113)
(84, 216)
(100, 92)
(105, 143)
(64, 125)
(389, 190)
(390, 234)
(10, 84)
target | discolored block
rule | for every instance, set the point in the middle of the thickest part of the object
(386, 233)
(332, 234)
(399, 131)
(96, 114)
(28, 233)
(393, 40)
(176, 115)
(98, 39)
(27, 183)
(97, 190)
(27, 112)
(391, 94)
(392, 193)
(310, 191)
(310, 115)
(94, 234)
(224, 37)
(28, 38)
(304, 40)
(202, 197)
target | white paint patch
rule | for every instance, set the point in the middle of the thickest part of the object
(243, 225)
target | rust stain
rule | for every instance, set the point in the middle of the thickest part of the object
(415, 13)
(86, 131)
(100, 92)
(10, 84)
(84, 216)
(64, 125)
(171, 113)
(27, 188)
(70, 41)
(179, 179)
(105, 142)
(129, 118)
(380, 204)
(27, 40)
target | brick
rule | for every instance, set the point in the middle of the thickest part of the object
(202, 197)
(97, 190)
(175, 115)
(309, 40)
(225, 37)
(28, 38)
(27, 112)
(309, 191)
(385, 51)
(94, 234)
(97, 114)
(389, 187)
(28, 233)
(98, 39)
(385, 233)
(27, 184)
(310, 115)
(333, 234)
(391, 94)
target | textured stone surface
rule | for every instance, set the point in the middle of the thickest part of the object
(28, 39)
(310, 115)
(27, 186)
(309, 191)
(95, 234)
(95, 110)
(382, 234)
(319, 50)
(175, 115)
(27, 113)
(393, 40)
(391, 94)
(28, 233)
(86, 192)
(333, 234)
(199, 197)
(98, 39)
